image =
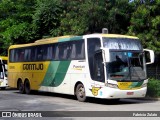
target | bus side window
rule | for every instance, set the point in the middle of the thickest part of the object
(56, 52)
(73, 51)
(12, 55)
(33, 54)
(16, 55)
(44, 52)
(68, 52)
(93, 44)
(27, 55)
(77, 50)
(21, 57)
(48, 52)
(39, 55)
(53, 51)
(62, 51)
(80, 50)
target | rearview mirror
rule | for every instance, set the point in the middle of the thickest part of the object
(149, 56)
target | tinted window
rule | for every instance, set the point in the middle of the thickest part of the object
(93, 44)
(27, 55)
(77, 50)
(71, 50)
(64, 51)
(11, 57)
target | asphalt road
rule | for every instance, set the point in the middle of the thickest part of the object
(12, 100)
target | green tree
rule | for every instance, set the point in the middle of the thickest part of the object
(46, 17)
(90, 16)
(15, 22)
(81, 17)
(64, 17)
(145, 23)
(118, 14)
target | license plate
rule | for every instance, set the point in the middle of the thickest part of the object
(130, 93)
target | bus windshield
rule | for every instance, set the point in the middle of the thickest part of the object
(126, 65)
(127, 61)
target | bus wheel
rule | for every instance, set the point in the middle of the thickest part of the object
(21, 87)
(80, 93)
(27, 87)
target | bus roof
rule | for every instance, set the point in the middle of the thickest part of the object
(70, 38)
(53, 39)
(111, 36)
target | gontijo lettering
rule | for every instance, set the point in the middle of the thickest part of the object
(33, 66)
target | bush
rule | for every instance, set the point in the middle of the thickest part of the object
(153, 88)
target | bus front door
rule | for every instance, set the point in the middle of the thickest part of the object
(99, 78)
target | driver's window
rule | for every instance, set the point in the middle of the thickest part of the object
(93, 44)
(98, 67)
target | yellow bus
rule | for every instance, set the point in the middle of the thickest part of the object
(3, 72)
(107, 66)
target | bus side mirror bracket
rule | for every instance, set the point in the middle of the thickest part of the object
(149, 55)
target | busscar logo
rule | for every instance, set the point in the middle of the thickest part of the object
(6, 114)
(78, 67)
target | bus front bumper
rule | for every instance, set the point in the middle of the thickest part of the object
(113, 93)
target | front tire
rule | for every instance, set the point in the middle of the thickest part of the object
(80, 93)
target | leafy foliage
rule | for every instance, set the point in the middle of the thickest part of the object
(46, 17)
(145, 23)
(81, 17)
(15, 22)
(153, 88)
